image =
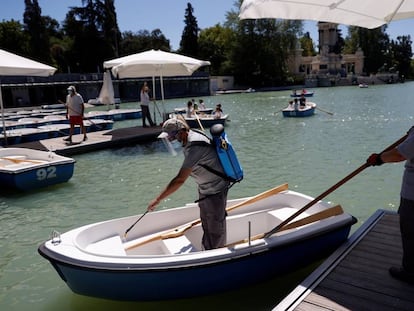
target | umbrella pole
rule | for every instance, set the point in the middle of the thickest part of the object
(153, 97)
(2, 117)
(162, 95)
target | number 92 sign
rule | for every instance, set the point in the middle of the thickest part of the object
(46, 173)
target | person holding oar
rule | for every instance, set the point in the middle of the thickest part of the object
(75, 109)
(200, 162)
(403, 152)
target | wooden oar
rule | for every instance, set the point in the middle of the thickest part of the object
(331, 189)
(332, 211)
(280, 110)
(331, 113)
(178, 231)
(199, 122)
(21, 160)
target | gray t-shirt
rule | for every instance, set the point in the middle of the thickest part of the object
(406, 148)
(208, 182)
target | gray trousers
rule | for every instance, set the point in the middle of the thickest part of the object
(213, 220)
(406, 211)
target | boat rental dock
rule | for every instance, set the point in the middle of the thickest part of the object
(355, 276)
(96, 140)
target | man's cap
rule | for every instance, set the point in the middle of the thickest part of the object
(72, 88)
(172, 126)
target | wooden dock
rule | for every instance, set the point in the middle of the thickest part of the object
(356, 276)
(96, 140)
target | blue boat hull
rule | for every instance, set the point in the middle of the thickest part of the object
(126, 282)
(299, 113)
(297, 95)
(39, 177)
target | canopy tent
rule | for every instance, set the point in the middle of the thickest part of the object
(154, 63)
(15, 65)
(367, 13)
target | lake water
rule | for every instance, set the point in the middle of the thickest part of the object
(310, 154)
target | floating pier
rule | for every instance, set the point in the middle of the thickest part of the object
(96, 140)
(355, 276)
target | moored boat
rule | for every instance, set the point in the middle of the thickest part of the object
(27, 169)
(162, 257)
(297, 94)
(306, 111)
(205, 120)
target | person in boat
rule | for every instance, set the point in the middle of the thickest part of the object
(190, 109)
(290, 105)
(201, 104)
(302, 101)
(145, 100)
(403, 152)
(296, 104)
(218, 113)
(75, 109)
(212, 188)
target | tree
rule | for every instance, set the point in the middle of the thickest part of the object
(143, 40)
(93, 34)
(375, 45)
(401, 55)
(189, 38)
(306, 44)
(35, 27)
(13, 38)
(110, 28)
(215, 45)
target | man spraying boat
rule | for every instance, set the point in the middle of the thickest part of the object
(199, 162)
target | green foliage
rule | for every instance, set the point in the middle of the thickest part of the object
(189, 38)
(12, 37)
(255, 52)
(306, 44)
(35, 27)
(143, 40)
(375, 45)
(215, 44)
(401, 56)
(261, 50)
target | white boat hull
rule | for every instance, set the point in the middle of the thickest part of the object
(95, 260)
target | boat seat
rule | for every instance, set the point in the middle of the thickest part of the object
(178, 245)
(110, 246)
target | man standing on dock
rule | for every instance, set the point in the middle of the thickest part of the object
(403, 152)
(75, 109)
(145, 100)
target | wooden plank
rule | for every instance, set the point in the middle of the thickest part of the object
(360, 299)
(314, 300)
(358, 278)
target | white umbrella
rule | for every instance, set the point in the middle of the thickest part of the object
(154, 63)
(106, 95)
(15, 65)
(366, 13)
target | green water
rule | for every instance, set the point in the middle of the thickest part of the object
(310, 154)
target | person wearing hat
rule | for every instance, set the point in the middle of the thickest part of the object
(212, 188)
(75, 109)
